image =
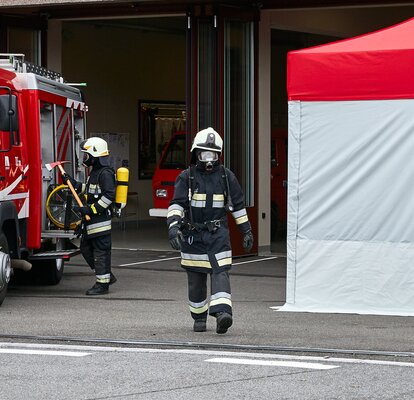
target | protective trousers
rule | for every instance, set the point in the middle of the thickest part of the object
(220, 299)
(97, 253)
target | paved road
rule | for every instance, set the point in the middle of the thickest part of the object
(148, 303)
(39, 372)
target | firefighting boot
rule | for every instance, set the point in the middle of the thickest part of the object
(98, 288)
(224, 322)
(200, 325)
(112, 279)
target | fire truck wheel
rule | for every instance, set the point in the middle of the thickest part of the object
(5, 268)
(50, 272)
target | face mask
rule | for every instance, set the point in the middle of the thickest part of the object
(208, 158)
(87, 160)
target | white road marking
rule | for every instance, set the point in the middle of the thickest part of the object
(176, 258)
(44, 352)
(123, 248)
(269, 363)
(325, 359)
(150, 261)
(258, 260)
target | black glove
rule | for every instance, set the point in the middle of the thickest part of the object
(248, 241)
(66, 178)
(175, 237)
(78, 231)
(85, 210)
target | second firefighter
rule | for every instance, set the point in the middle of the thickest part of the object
(96, 240)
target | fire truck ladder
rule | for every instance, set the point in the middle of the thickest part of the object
(15, 62)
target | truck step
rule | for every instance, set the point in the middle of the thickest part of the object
(55, 254)
(59, 234)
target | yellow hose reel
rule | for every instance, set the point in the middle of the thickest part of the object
(56, 203)
(56, 206)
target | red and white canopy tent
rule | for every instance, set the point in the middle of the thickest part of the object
(350, 243)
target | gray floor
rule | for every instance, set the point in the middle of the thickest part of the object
(153, 235)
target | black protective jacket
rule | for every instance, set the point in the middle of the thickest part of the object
(203, 220)
(100, 192)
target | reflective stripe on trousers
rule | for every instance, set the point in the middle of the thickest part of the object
(220, 299)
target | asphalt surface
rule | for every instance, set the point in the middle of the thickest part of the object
(148, 304)
(66, 372)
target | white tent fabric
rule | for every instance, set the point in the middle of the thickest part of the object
(350, 244)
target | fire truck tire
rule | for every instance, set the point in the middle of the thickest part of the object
(4, 247)
(50, 272)
(45, 272)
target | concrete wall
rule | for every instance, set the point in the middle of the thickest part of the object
(122, 66)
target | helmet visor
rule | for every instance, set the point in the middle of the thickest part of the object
(208, 156)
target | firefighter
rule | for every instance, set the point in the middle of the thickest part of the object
(96, 240)
(197, 225)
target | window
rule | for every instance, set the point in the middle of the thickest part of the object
(157, 122)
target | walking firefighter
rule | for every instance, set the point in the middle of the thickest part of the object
(197, 225)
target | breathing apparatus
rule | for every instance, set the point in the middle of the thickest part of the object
(206, 148)
(95, 151)
(121, 191)
(205, 151)
(207, 158)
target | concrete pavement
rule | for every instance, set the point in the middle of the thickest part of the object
(149, 303)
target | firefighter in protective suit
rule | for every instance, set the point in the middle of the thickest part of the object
(197, 225)
(96, 240)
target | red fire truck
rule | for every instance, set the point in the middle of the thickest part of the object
(173, 161)
(42, 119)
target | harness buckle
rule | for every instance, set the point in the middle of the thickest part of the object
(212, 226)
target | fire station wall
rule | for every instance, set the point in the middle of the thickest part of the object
(122, 66)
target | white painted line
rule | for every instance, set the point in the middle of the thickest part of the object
(204, 353)
(258, 260)
(45, 352)
(150, 261)
(176, 258)
(268, 363)
(123, 248)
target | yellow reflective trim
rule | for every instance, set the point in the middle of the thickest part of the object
(199, 196)
(196, 263)
(96, 230)
(93, 209)
(199, 310)
(241, 220)
(175, 212)
(221, 300)
(218, 197)
(224, 261)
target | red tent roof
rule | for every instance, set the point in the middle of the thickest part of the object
(378, 65)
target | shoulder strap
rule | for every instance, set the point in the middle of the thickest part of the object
(229, 203)
(190, 191)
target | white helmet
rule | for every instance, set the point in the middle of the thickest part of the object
(208, 139)
(95, 146)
